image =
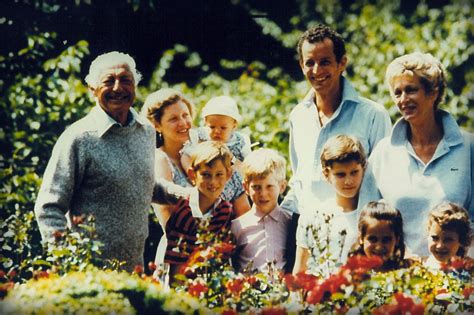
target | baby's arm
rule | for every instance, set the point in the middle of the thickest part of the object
(185, 161)
(236, 165)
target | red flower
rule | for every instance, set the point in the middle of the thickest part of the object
(323, 291)
(4, 287)
(224, 248)
(387, 309)
(361, 264)
(235, 286)
(273, 311)
(458, 263)
(40, 274)
(152, 266)
(196, 288)
(2, 274)
(77, 219)
(442, 290)
(404, 302)
(468, 291)
(58, 235)
(401, 305)
(138, 269)
(307, 281)
(252, 280)
(417, 309)
(316, 295)
(335, 282)
(291, 282)
(229, 312)
(11, 274)
(301, 280)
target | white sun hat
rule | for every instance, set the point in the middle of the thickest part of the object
(222, 105)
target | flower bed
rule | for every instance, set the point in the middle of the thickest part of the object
(97, 292)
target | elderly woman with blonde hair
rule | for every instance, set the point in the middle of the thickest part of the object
(427, 158)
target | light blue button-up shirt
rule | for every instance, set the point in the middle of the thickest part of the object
(414, 188)
(355, 116)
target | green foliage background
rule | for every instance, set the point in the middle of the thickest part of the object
(42, 88)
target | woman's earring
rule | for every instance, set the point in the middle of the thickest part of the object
(159, 139)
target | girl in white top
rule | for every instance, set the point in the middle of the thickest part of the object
(449, 234)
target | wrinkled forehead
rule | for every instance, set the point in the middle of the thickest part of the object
(112, 69)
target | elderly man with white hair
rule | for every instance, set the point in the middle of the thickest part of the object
(103, 165)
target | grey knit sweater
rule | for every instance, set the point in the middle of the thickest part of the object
(102, 168)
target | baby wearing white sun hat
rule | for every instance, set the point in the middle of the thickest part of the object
(221, 117)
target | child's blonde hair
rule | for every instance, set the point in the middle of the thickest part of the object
(208, 152)
(452, 217)
(341, 149)
(262, 162)
(381, 211)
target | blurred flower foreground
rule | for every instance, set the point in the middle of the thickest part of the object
(207, 284)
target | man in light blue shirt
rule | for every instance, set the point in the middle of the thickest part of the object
(332, 107)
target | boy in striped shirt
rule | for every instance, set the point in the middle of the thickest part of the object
(209, 172)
